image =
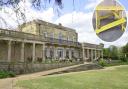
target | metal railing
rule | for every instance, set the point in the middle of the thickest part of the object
(62, 42)
(18, 34)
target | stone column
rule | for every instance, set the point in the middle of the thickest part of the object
(88, 53)
(102, 53)
(83, 54)
(44, 52)
(92, 55)
(70, 54)
(99, 53)
(22, 52)
(54, 52)
(95, 55)
(9, 51)
(33, 52)
(64, 53)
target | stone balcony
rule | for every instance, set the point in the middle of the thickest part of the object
(28, 36)
(62, 42)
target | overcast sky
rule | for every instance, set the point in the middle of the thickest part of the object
(77, 16)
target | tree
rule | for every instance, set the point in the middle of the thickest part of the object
(106, 52)
(114, 51)
(35, 3)
(20, 14)
(111, 52)
(125, 50)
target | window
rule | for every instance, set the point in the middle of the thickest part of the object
(60, 35)
(51, 53)
(60, 53)
(52, 35)
(45, 34)
(74, 39)
(68, 38)
(67, 53)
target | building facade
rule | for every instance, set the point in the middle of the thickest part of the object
(39, 41)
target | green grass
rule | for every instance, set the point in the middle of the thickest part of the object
(117, 63)
(99, 79)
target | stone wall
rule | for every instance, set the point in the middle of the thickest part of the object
(51, 30)
(21, 68)
(3, 51)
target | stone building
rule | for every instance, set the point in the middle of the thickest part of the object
(39, 40)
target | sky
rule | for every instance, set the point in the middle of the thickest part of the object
(77, 15)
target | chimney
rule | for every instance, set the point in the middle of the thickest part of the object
(60, 24)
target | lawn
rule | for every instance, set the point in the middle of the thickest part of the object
(99, 79)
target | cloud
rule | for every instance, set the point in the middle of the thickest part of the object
(82, 22)
(91, 4)
(12, 21)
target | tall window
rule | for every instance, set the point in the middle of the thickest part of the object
(60, 53)
(52, 35)
(68, 38)
(51, 53)
(45, 34)
(72, 54)
(60, 35)
(67, 53)
(74, 39)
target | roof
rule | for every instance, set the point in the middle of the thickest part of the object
(49, 24)
(89, 45)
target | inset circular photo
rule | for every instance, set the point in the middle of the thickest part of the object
(109, 20)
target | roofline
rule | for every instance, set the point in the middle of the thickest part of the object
(46, 23)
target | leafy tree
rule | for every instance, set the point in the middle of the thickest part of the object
(125, 50)
(111, 52)
(20, 14)
(106, 52)
(114, 51)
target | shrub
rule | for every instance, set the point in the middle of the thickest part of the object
(39, 59)
(124, 59)
(5, 74)
(11, 74)
(102, 63)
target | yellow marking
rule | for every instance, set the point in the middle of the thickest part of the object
(110, 25)
(109, 8)
(116, 14)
